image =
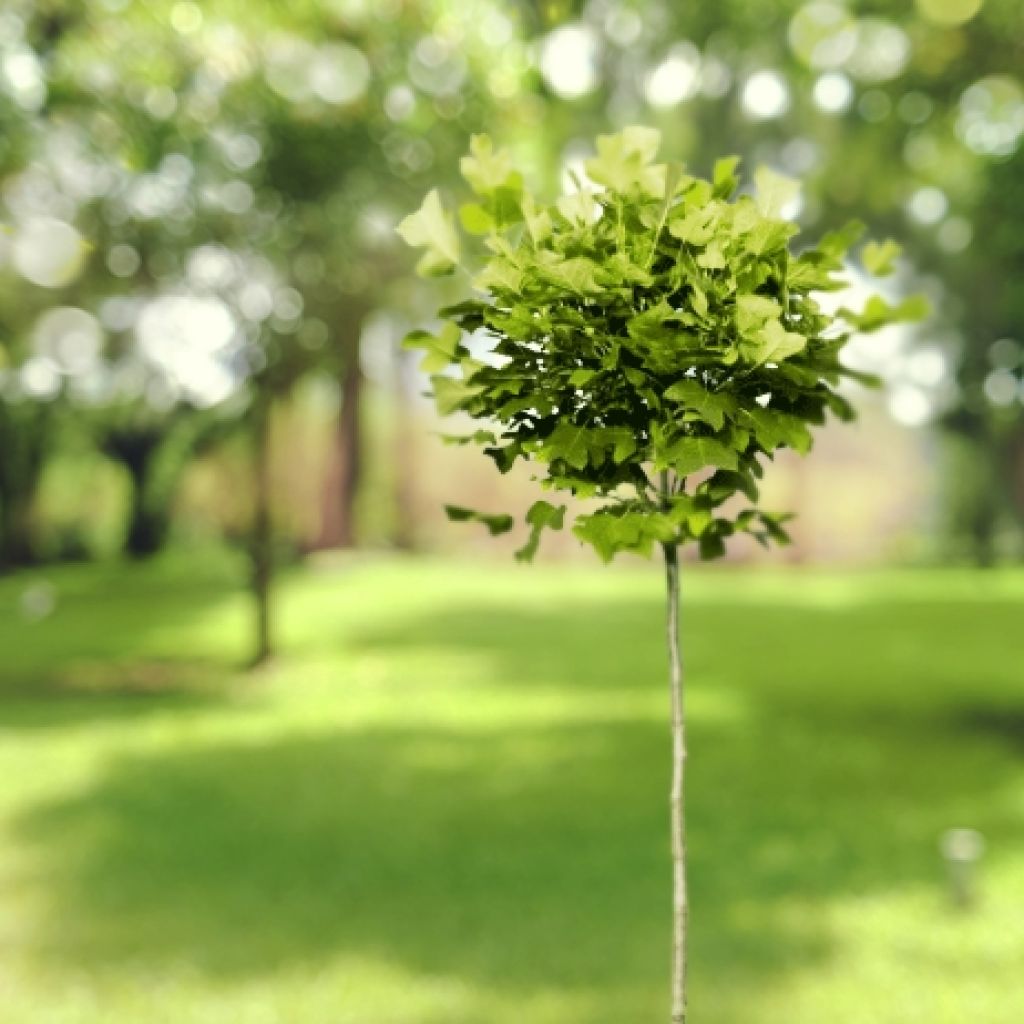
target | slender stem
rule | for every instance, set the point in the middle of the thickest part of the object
(677, 798)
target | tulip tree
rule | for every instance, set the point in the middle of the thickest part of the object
(644, 342)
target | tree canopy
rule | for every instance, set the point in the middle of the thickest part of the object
(645, 339)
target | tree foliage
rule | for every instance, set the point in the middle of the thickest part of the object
(651, 338)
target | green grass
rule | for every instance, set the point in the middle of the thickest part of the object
(446, 803)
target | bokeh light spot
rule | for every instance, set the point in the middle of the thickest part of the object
(1001, 387)
(676, 78)
(48, 252)
(569, 61)
(928, 205)
(991, 118)
(882, 51)
(954, 235)
(823, 35)
(70, 337)
(765, 95)
(833, 92)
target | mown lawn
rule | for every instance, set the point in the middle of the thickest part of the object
(445, 804)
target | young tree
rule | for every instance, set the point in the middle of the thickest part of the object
(652, 338)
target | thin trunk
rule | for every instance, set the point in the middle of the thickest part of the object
(677, 795)
(262, 539)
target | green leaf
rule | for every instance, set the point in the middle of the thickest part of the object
(538, 219)
(440, 350)
(687, 455)
(724, 176)
(753, 311)
(697, 227)
(650, 325)
(624, 161)
(475, 219)
(710, 406)
(542, 515)
(725, 483)
(699, 300)
(622, 440)
(433, 228)
(495, 523)
(477, 437)
(578, 207)
(878, 259)
(487, 169)
(773, 428)
(578, 275)
(774, 191)
(838, 243)
(569, 443)
(878, 313)
(767, 236)
(772, 343)
(710, 546)
(451, 393)
(609, 533)
(808, 274)
(713, 257)
(499, 274)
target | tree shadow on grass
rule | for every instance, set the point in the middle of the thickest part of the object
(115, 642)
(521, 858)
(109, 690)
(526, 855)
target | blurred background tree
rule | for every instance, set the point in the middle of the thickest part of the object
(198, 275)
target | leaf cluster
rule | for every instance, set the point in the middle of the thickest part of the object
(650, 338)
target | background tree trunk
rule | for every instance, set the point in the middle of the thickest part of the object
(147, 523)
(25, 436)
(404, 532)
(344, 471)
(350, 449)
(677, 803)
(17, 547)
(261, 545)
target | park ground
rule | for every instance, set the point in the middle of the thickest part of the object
(445, 802)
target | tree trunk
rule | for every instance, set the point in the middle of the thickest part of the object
(677, 803)
(25, 433)
(1015, 475)
(344, 472)
(147, 523)
(17, 547)
(350, 447)
(261, 547)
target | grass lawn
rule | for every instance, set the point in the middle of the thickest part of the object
(446, 803)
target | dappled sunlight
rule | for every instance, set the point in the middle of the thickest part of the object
(454, 809)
